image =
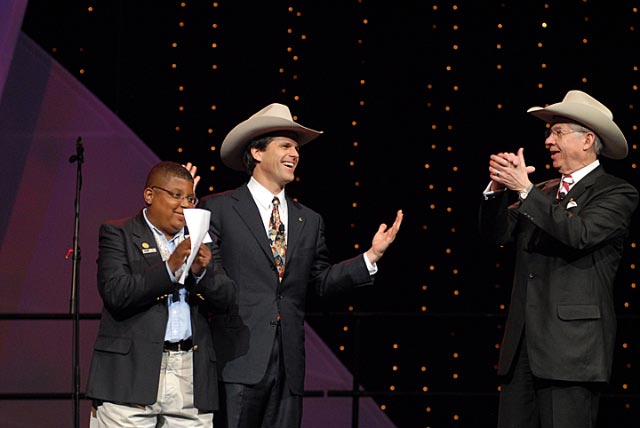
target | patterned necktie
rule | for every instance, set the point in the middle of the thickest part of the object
(565, 185)
(165, 252)
(276, 237)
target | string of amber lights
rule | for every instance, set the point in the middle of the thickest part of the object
(628, 339)
(447, 150)
(358, 113)
(82, 68)
(295, 39)
(213, 135)
(432, 89)
(506, 64)
(356, 160)
(347, 330)
(441, 173)
(190, 58)
(291, 86)
(180, 72)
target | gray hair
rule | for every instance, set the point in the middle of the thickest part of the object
(597, 143)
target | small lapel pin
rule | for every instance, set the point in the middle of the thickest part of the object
(147, 250)
(300, 219)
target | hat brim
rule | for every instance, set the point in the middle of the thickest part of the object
(233, 146)
(614, 143)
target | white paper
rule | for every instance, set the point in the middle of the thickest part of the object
(198, 224)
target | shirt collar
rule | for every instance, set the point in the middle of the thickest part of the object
(262, 196)
(158, 231)
(582, 172)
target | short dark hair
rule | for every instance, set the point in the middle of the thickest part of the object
(261, 142)
(162, 171)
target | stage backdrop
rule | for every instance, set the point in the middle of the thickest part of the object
(43, 112)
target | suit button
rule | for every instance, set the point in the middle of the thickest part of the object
(532, 275)
(280, 296)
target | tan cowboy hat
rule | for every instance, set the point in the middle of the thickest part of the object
(274, 117)
(591, 113)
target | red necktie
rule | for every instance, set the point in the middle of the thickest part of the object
(565, 185)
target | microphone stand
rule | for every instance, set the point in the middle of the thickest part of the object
(74, 304)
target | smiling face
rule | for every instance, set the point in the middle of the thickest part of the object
(276, 163)
(166, 201)
(571, 147)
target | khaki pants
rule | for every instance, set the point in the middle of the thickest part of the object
(173, 408)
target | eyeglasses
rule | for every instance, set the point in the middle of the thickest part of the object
(178, 196)
(559, 133)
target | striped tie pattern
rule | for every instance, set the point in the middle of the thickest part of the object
(565, 185)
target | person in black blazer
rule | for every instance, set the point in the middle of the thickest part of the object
(260, 343)
(557, 351)
(153, 361)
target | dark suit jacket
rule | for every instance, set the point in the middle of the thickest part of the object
(134, 284)
(567, 255)
(243, 338)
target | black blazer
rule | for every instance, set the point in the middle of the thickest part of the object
(567, 256)
(244, 336)
(134, 284)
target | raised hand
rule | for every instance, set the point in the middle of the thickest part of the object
(179, 255)
(202, 260)
(383, 238)
(509, 170)
(193, 170)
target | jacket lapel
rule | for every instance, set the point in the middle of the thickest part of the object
(248, 212)
(582, 185)
(296, 226)
(144, 240)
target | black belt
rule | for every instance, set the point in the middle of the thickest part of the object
(183, 345)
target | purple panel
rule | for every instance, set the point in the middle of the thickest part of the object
(11, 15)
(43, 112)
(48, 353)
(326, 372)
(40, 414)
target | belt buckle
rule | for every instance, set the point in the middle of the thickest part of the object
(183, 345)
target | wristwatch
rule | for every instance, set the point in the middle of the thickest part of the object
(524, 193)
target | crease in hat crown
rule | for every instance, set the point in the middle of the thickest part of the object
(588, 111)
(272, 118)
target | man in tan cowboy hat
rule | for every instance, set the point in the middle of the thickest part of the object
(568, 234)
(273, 249)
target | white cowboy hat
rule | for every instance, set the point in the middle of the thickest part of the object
(274, 117)
(591, 113)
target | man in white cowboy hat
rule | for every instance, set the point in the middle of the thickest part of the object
(273, 249)
(557, 351)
